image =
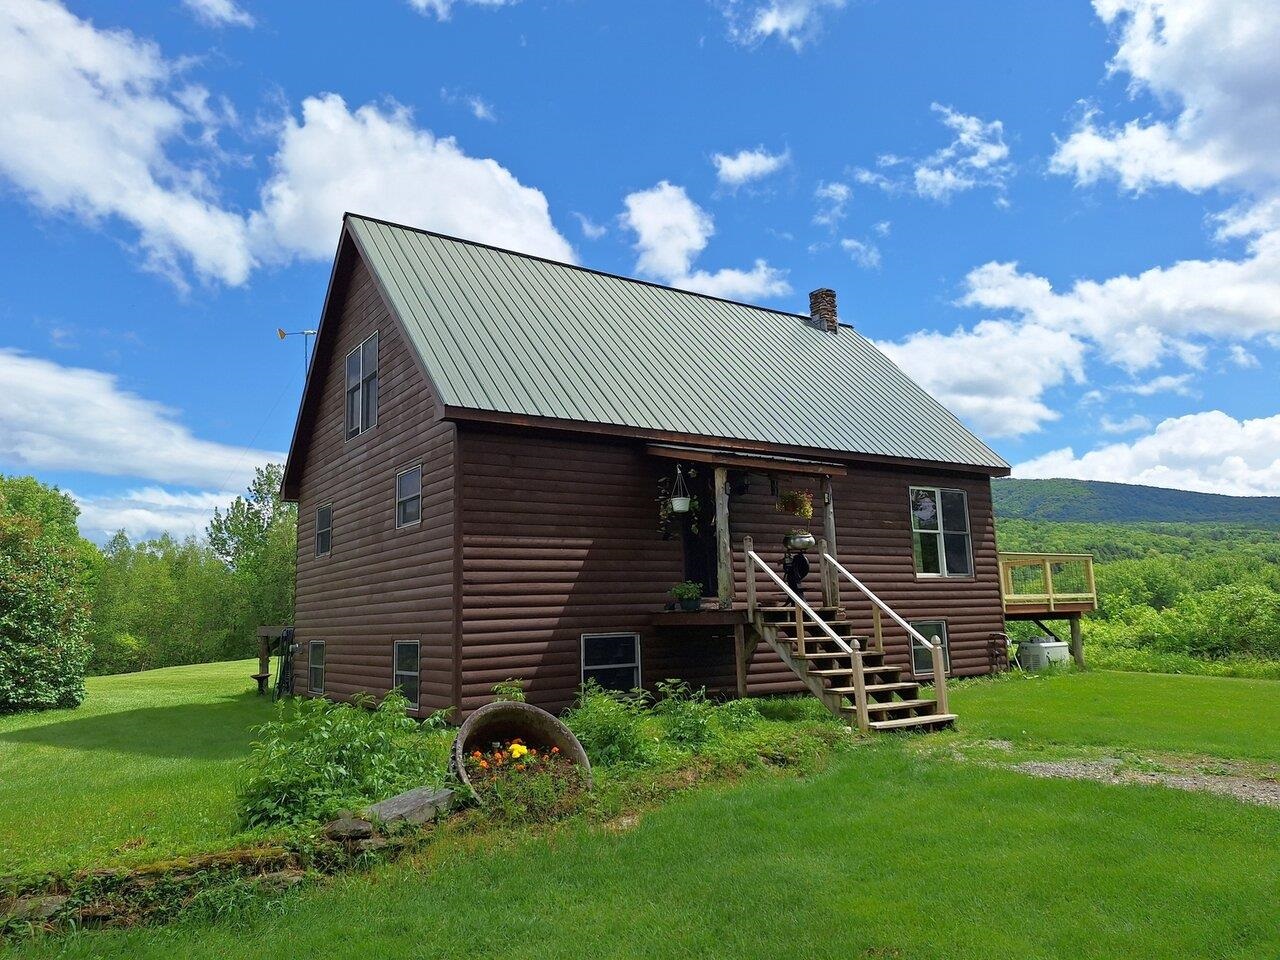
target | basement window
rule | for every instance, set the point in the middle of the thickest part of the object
(921, 658)
(409, 496)
(612, 660)
(362, 387)
(405, 670)
(324, 530)
(315, 666)
(940, 532)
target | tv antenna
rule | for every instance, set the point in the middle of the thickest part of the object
(306, 336)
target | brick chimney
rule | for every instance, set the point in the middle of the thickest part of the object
(822, 310)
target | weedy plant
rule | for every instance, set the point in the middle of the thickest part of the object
(610, 725)
(686, 714)
(510, 689)
(318, 757)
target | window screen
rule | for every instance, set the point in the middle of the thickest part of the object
(612, 660)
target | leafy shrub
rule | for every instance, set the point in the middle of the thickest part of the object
(686, 714)
(43, 598)
(738, 715)
(318, 757)
(610, 726)
(511, 690)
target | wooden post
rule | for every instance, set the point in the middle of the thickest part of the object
(740, 658)
(724, 550)
(824, 574)
(800, 630)
(877, 628)
(939, 676)
(1048, 581)
(829, 532)
(1077, 642)
(748, 547)
(860, 690)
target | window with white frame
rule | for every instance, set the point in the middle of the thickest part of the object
(409, 496)
(612, 660)
(405, 670)
(362, 387)
(315, 666)
(324, 530)
(940, 532)
(921, 656)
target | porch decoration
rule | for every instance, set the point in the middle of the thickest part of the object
(799, 541)
(675, 500)
(680, 500)
(798, 503)
(689, 594)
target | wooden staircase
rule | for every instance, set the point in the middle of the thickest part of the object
(893, 703)
(847, 673)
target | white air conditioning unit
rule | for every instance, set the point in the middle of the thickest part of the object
(1040, 652)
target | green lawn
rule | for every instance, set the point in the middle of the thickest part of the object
(1220, 716)
(143, 769)
(892, 852)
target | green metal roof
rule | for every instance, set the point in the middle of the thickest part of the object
(507, 332)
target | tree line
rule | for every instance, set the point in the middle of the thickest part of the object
(68, 607)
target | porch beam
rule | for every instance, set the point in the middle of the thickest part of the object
(757, 462)
(724, 552)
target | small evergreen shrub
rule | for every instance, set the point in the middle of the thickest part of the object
(318, 757)
(610, 726)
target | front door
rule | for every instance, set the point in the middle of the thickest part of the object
(699, 532)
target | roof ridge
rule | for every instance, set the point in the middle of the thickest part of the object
(573, 266)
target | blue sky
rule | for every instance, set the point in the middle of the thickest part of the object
(1062, 219)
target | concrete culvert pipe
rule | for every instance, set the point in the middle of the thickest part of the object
(505, 720)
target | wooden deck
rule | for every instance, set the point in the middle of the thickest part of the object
(1047, 585)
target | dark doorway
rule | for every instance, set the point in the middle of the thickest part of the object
(699, 532)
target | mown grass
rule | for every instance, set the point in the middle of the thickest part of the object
(884, 855)
(1219, 716)
(144, 769)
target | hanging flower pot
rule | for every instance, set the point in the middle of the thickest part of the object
(680, 504)
(798, 503)
(799, 541)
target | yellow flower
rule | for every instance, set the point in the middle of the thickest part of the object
(518, 750)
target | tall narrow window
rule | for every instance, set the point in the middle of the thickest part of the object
(921, 658)
(611, 660)
(409, 496)
(324, 530)
(405, 675)
(315, 666)
(940, 532)
(362, 387)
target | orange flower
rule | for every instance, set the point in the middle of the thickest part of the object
(477, 754)
(519, 766)
(555, 749)
(484, 765)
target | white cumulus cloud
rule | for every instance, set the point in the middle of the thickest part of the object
(219, 13)
(1210, 452)
(443, 9)
(793, 22)
(733, 170)
(672, 231)
(148, 512)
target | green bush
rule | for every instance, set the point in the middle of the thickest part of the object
(44, 576)
(610, 726)
(738, 715)
(686, 714)
(317, 758)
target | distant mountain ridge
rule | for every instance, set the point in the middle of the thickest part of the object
(1099, 501)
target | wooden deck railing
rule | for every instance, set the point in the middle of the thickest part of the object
(1047, 582)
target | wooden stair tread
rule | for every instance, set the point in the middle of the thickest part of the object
(834, 672)
(892, 687)
(906, 723)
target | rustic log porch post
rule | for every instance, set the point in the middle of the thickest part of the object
(832, 585)
(724, 550)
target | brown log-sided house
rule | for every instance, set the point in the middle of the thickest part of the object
(486, 441)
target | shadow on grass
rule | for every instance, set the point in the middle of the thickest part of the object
(220, 730)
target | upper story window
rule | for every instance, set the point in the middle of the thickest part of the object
(409, 496)
(362, 387)
(324, 530)
(940, 532)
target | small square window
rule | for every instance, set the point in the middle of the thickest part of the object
(409, 496)
(315, 666)
(921, 657)
(612, 660)
(324, 530)
(405, 670)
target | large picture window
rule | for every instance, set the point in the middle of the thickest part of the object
(315, 666)
(611, 660)
(940, 532)
(362, 387)
(921, 658)
(409, 496)
(406, 670)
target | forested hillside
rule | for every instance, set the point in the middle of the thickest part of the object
(1096, 501)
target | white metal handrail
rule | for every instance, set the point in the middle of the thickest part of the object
(854, 652)
(934, 646)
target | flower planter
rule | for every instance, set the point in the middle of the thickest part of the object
(799, 542)
(504, 720)
(692, 604)
(681, 504)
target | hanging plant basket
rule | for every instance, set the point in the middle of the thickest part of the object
(798, 503)
(680, 504)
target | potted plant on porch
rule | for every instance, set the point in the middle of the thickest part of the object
(799, 540)
(689, 595)
(798, 503)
